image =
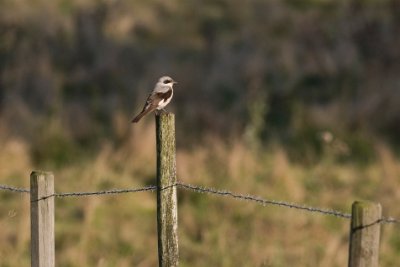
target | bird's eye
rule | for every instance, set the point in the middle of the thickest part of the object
(167, 81)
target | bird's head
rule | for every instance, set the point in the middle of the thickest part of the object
(166, 80)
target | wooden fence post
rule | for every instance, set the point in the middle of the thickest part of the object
(167, 210)
(42, 219)
(364, 234)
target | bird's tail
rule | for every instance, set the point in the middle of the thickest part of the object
(140, 115)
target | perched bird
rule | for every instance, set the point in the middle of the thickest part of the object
(159, 98)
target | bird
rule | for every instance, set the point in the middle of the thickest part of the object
(159, 98)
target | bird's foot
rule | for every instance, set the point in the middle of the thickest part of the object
(159, 112)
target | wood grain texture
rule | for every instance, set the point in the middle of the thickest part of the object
(42, 219)
(365, 234)
(167, 210)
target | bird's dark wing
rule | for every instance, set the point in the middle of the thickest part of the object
(165, 95)
(154, 99)
(152, 103)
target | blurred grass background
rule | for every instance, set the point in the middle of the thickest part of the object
(289, 100)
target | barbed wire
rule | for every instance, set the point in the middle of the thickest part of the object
(263, 202)
(389, 220)
(204, 190)
(107, 192)
(104, 192)
(13, 189)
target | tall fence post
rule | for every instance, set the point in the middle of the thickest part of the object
(167, 210)
(42, 219)
(365, 234)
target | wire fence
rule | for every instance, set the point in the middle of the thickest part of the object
(13, 189)
(204, 190)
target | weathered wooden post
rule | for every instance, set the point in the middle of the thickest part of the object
(365, 234)
(42, 219)
(167, 210)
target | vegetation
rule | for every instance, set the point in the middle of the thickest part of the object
(289, 100)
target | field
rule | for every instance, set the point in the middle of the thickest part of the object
(288, 100)
(121, 231)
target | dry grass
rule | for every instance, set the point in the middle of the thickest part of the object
(121, 230)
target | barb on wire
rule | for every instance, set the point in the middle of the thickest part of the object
(13, 189)
(389, 220)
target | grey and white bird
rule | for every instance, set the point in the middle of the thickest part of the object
(159, 98)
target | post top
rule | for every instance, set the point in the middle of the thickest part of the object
(37, 173)
(165, 114)
(365, 203)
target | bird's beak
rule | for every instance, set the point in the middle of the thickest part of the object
(174, 82)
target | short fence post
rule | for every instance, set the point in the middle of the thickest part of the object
(42, 219)
(167, 210)
(365, 234)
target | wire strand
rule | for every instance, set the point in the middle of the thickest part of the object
(204, 190)
(106, 192)
(13, 189)
(263, 202)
